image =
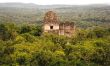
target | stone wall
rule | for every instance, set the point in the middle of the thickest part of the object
(52, 25)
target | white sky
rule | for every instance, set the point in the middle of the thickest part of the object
(69, 2)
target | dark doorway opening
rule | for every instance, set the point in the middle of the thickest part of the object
(51, 27)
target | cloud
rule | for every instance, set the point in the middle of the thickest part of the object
(71, 2)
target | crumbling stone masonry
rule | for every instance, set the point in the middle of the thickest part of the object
(53, 25)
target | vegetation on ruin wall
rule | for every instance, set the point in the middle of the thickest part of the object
(24, 45)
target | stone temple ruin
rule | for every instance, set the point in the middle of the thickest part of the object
(53, 25)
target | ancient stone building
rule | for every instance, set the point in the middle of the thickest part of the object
(53, 25)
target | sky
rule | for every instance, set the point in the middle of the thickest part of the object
(68, 2)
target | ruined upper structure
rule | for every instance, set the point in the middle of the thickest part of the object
(53, 25)
(50, 17)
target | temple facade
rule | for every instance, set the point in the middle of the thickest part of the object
(51, 24)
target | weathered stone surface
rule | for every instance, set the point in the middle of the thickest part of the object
(52, 25)
(50, 17)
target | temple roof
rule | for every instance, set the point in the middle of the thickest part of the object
(50, 17)
(67, 23)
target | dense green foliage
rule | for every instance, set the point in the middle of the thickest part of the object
(22, 42)
(26, 46)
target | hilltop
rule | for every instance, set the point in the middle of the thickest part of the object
(83, 15)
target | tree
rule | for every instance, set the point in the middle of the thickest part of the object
(8, 31)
